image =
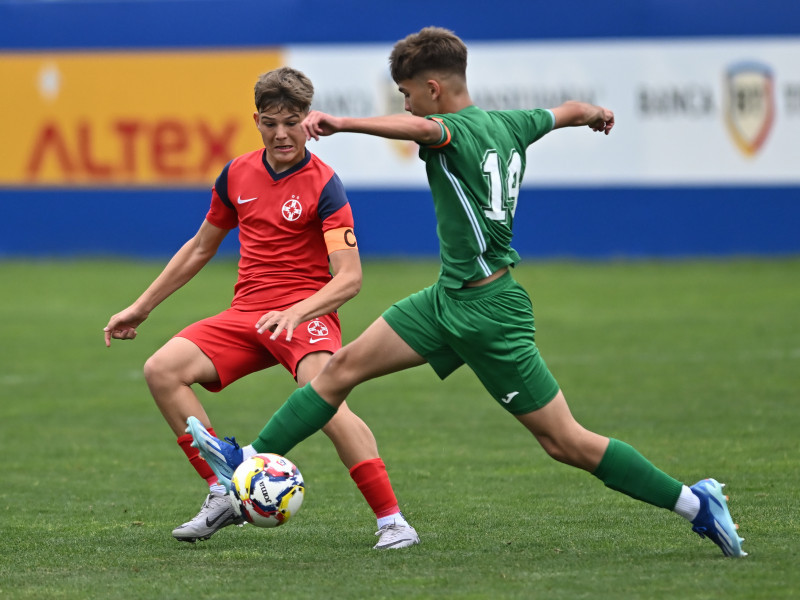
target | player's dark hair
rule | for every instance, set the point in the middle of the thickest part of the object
(284, 88)
(431, 49)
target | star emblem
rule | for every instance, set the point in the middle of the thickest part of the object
(317, 328)
(292, 209)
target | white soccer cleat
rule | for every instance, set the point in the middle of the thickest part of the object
(396, 536)
(216, 513)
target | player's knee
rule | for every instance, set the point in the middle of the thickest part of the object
(342, 370)
(563, 447)
(570, 450)
(554, 449)
(157, 372)
(151, 369)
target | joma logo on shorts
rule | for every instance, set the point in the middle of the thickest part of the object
(508, 397)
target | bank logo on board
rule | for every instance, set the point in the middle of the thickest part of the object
(749, 104)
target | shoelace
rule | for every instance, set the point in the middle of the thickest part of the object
(700, 530)
(232, 442)
(206, 504)
(391, 527)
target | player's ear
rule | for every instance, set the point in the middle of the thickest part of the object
(255, 118)
(434, 89)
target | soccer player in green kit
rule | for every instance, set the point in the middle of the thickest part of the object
(476, 313)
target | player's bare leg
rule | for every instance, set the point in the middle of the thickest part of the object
(562, 437)
(353, 440)
(351, 437)
(621, 468)
(379, 350)
(376, 352)
(358, 450)
(170, 373)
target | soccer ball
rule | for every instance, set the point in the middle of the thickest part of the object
(267, 489)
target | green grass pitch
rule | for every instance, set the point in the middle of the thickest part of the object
(695, 363)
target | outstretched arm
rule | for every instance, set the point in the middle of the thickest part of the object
(396, 127)
(578, 114)
(184, 265)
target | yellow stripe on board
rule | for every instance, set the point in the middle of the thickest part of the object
(127, 118)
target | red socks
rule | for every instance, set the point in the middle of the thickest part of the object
(193, 454)
(370, 477)
(373, 481)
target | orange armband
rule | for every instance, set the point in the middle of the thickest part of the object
(340, 239)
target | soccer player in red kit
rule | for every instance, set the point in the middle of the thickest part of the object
(295, 228)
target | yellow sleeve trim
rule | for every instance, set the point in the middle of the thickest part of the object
(340, 239)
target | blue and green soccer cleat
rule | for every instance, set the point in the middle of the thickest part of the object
(223, 456)
(714, 521)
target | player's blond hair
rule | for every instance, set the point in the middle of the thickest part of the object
(284, 88)
(432, 49)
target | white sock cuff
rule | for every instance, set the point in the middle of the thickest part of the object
(688, 505)
(217, 489)
(397, 519)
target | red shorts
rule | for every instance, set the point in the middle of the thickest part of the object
(233, 344)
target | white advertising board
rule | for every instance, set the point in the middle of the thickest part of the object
(721, 111)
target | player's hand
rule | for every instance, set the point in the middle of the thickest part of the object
(122, 326)
(603, 122)
(318, 124)
(277, 321)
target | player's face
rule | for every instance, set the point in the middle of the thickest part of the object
(282, 136)
(419, 96)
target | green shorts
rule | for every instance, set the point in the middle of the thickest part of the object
(489, 328)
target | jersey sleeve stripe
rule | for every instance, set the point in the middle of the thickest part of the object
(446, 137)
(552, 118)
(221, 187)
(332, 198)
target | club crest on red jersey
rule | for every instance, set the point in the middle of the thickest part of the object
(292, 209)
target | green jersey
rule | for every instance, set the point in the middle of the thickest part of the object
(475, 174)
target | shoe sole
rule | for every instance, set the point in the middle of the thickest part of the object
(202, 538)
(397, 545)
(192, 540)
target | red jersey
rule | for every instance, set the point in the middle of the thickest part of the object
(282, 218)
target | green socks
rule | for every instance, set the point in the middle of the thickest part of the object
(622, 468)
(304, 413)
(625, 470)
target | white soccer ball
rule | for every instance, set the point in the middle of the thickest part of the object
(267, 490)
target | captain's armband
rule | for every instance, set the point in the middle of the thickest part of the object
(340, 239)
